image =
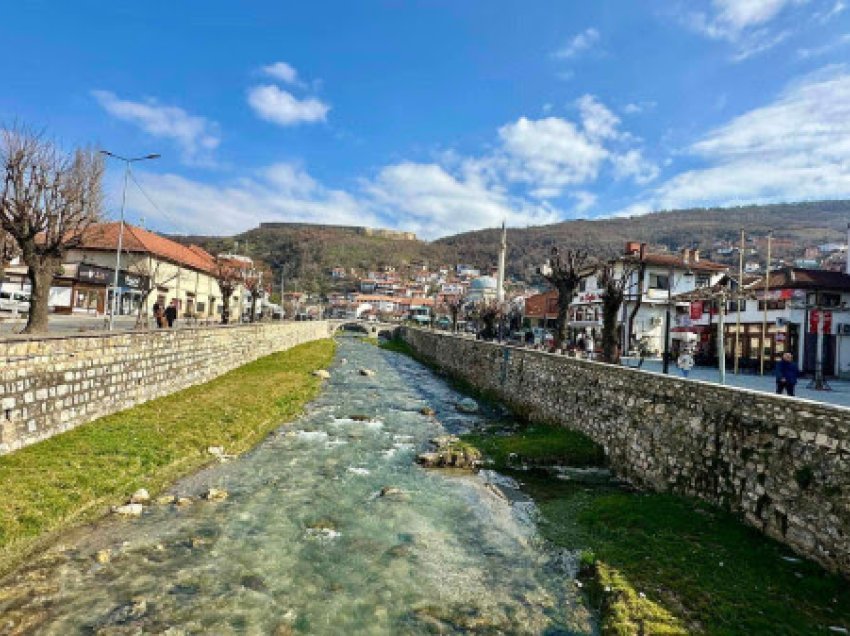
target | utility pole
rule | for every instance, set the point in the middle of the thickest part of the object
(764, 313)
(666, 362)
(721, 338)
(282, 288)
(738, 301)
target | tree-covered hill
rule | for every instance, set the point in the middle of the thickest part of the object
(307, 253)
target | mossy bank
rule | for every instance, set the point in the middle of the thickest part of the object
(72, 478)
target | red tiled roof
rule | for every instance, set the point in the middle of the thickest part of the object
(798, 278)
(104, 236)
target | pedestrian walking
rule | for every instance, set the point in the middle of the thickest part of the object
(685, 362)
(171, 313)
(158, 315)
(787, 373)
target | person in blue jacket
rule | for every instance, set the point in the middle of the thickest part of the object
(786, 374)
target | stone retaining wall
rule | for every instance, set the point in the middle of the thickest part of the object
(51, 384)
(782, 463)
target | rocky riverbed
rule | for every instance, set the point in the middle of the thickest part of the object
(328, 527)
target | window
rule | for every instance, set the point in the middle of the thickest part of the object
(733, 306)
(830, 300)
(659, 281)
(772, 305)
(702, 280)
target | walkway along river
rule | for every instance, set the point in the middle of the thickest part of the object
(305, 543)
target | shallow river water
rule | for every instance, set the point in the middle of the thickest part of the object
(306, 544)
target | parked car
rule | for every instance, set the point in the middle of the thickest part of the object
(14, 301)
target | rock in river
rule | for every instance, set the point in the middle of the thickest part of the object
(129, 510)
(141, 496)
(215, 494)
(366, 372)
(467, 405)
(322, 373)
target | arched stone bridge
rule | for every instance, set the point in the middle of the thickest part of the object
(370, 328)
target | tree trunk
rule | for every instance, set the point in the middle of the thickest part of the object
(565, 296)
(630, 334)
(610, 310)
(41, 276)
(225, 311)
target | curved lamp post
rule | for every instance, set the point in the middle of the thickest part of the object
(113, 306)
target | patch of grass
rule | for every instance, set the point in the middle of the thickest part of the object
(399, 346)
(72, 477)
(540, 444)
(695, 562)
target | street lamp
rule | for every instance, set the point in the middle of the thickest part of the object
(113, 306)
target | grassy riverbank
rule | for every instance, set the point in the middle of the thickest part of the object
(672, 565)
(72, 477)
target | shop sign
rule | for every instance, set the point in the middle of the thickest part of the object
(94, 274)
(820, 316)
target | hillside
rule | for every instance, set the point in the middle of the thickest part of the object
(307, 253)
(803, 223)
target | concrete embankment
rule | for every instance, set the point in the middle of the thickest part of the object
(52, 384)
(781, 463)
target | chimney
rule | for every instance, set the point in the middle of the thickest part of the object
(695, 255)
(686, 255)
(633, 248)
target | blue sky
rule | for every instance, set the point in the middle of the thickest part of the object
(439, 117)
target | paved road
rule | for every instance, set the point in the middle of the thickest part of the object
(76, 324)
(839, 395)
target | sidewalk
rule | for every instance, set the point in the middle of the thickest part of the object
(839, 395)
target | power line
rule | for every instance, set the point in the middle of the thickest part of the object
(178, 226)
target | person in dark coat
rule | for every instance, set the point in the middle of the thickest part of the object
(787, 373)
(157, 314)
(171, 314)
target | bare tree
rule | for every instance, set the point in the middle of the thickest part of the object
(454, 305)
(255, 285)
(47, 201)
(489, 313)
(564, 273)
(228, 276)
(640, 267)
(8, 250)
(613, 294)
(155, 278)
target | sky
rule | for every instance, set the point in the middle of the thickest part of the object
(437, 116)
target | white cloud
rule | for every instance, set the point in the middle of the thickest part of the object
(796, 148)
(828, 14)
(281, 192)
(550, 154)
(635, 108)
(283, 72)
(553, 153)
(746, 24)
(632, 164)
(281, 107)
(427, 199)
(584, 201)
(196, 136)
(817, 51)
(582, 42)
(598, 121)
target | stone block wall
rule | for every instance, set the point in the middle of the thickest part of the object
(783, 464)
(52, 384)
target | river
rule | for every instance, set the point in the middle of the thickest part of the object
(305, 543)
